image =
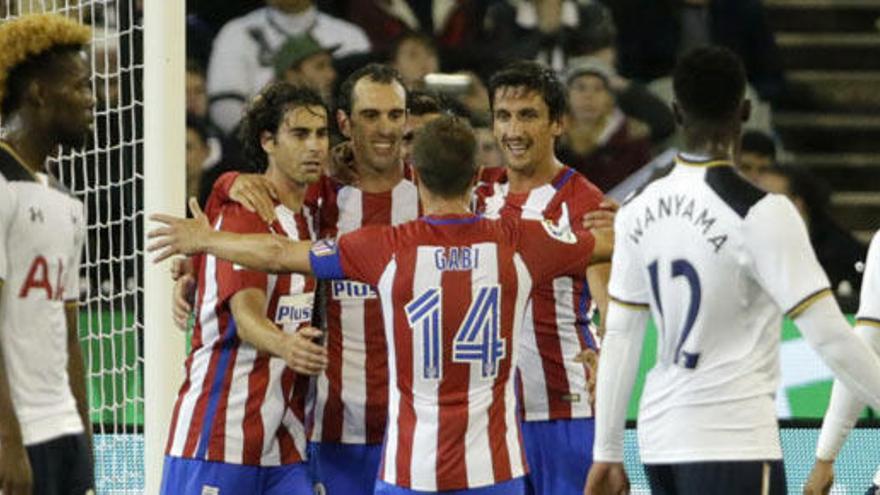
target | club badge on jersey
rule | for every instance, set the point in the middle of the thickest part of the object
(294, 310)
(560, 232)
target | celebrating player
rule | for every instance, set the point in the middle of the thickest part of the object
(528, 104)
(454, 288)
(47, 102)
(238, 422)
(717, 261)
(844, 409)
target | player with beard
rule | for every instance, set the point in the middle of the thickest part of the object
(47, 104)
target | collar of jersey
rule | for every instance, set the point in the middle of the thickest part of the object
(21, 163)
(452, 219)
(700, 161)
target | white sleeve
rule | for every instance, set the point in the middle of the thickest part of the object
(827, 331)
(7, 208)
(844, 409)
(628, 284)
(783, 259)
(71, 280)
(230, 76)
(621, 346)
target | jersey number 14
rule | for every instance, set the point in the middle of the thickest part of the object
(477, 341)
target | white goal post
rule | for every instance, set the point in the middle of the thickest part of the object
(164, 191)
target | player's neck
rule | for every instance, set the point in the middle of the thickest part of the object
(437, 206)
(290, 193)
(718, 146)
(27, 144)
(524, 180)
(377, 180)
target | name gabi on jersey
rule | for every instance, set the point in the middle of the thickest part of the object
(682, 207)
(346, 289)
(456, 259)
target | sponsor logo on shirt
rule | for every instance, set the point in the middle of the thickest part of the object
(346, 289)
(210, 490)
(294, 309)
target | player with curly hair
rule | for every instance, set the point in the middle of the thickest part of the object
(45, 103)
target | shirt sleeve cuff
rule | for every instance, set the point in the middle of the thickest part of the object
(326, 262)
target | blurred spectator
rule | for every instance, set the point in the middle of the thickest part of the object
(488, 154)
(196, 91)
(600, 141)
(199, 37)
(241, 60)
(301, 60)
(476, 98)
(757, 154)
(197, 152)
(594, 42)
(654, 32)
(837, 250)
(422, 107)
(453, 24)
(414, 56)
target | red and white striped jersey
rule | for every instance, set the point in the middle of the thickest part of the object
(351, 395)
(238, 405)
(454, 291)
(558, 326)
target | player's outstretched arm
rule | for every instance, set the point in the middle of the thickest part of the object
(15, 468)
(604, 246)
(264, 252)
(298, 350)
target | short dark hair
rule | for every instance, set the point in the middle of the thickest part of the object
(420, 102)
(709, 84)
(379, 73)
(265, 113)
(535, 77)
(42, 66)
(760, 143)
(443, 155)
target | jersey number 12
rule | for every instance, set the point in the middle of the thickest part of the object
(681, 268)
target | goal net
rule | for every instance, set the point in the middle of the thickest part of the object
(108, 177)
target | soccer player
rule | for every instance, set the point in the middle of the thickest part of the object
(45, 90)
(717, 262)
(454, 289)
(238, 422)
(528, 104)
(844, 409)
(351, 399)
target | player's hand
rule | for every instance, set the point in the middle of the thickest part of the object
(15, 470)
(302, 354)
(607, 478)
(179, 235)
(256, 193)
(604, 246)
(341, 165)
(590, 359)
(821, 478)
(181, 267)
(182, 300)
(603, 217)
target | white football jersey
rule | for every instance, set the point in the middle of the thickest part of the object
(869, 305)
(718, 261)
(41, 237)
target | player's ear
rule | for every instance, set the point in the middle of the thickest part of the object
(557, 125)
(267, 142)
(344, 123)
(35, 93)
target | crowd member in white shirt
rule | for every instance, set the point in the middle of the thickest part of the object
(244, 50)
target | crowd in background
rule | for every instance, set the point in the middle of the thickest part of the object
(616, 67)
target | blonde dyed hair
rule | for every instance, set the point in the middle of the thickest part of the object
(29, 36)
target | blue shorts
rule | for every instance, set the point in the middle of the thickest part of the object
(718, 478)
(193, 476)
(516, 486)
(343, 468)
(559, 453)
